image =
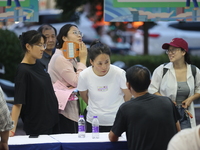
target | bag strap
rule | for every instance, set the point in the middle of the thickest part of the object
(193, 69)
(164, 70)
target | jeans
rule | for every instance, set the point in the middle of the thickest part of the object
(194, 2)
(184, 120)
(17, 3)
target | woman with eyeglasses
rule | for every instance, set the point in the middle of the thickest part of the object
(34, 101)
(178, 80)
(65, 72)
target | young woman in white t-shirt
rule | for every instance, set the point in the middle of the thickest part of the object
(103, 87)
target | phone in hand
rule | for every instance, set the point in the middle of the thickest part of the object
(70, 49)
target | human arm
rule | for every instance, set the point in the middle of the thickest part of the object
(16, 109)
(6, 124)
(157, 93)
(156, 81)
(177, 116)
(112, 137)
(178, 127)
(84, 95)
(4, 140)
(65, 72)
(83, 53)
(186, 103)
(118, 127)
(83, 86)
(127, 94)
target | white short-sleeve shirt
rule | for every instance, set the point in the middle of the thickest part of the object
(105, 93)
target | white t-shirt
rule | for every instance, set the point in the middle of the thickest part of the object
(105, 93)
(187, 139)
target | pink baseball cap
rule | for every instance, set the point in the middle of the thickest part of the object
(176, 42)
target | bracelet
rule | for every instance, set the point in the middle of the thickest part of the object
(13, 133)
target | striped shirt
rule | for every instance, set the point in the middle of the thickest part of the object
(5, 120)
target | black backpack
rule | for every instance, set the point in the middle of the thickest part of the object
(193, 69)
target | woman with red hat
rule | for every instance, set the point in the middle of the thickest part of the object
(178, 80)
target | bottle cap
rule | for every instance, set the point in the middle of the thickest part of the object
(94, 116)
(81, 116)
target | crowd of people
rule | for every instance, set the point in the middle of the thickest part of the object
(152, 110)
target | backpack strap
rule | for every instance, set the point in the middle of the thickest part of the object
(193, 68)
(164, 69)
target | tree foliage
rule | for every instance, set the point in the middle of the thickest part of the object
(10, 53)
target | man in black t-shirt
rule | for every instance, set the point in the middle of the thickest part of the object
(150, 121)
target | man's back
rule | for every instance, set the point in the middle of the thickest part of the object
(149, 122)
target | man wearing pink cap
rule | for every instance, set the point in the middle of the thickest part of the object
(178, 80)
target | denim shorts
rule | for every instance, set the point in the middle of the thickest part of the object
(184, 120)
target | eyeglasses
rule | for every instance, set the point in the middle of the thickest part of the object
(172, 51)
(41, 45)
(53, 37)
(78, 33)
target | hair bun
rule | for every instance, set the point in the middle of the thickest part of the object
(95, 42)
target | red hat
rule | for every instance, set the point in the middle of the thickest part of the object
(176, 42)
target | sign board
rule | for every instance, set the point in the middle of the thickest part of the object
(143, 10)
(23, 3)
(20, 10)
(152, 3)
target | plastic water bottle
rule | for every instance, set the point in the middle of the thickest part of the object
(95, 128)
(81, 127)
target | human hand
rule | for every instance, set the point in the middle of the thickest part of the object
(70, 87)
(174, 103)
(186, 103)
(11, 133)
(82, 52)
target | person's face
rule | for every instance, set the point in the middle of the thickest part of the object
(51, 38)
(36, 50)
(175, 53)
(73, 35)
(101, 64)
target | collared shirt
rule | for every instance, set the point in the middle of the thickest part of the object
(5, 120)
(45, 59)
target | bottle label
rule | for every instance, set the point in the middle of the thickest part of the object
(95, 129)
(81, 128)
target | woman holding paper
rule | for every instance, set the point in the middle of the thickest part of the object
(64, 73)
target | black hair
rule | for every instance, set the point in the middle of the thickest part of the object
(63, 32)
(31, 37)
(46, 27)
(139, 78)
(97, 48)
(187, 56)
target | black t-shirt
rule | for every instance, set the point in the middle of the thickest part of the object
(34, 90)
(149, 122)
